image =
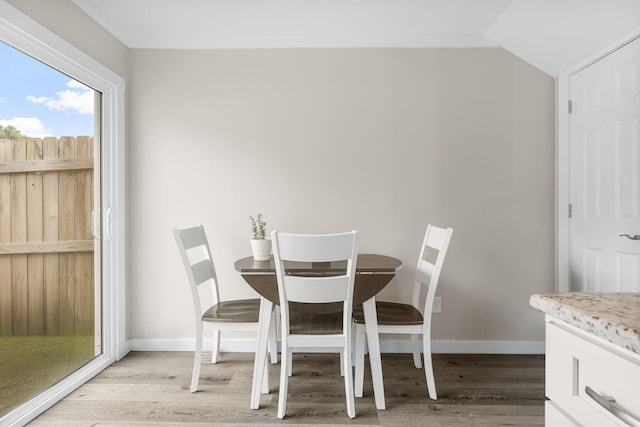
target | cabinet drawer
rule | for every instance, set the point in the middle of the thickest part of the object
(554, 417)
(582, 369)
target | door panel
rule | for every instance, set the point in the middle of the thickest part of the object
(591, 269)
(604, 173)
(592, 173)
(627, 176)
(627, 271)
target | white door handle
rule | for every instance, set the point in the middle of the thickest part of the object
(107, 220)
(95, 223)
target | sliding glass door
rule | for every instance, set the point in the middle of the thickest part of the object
(50, 263)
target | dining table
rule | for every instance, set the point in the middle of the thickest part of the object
(373, 273)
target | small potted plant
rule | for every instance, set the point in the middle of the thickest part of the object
(260, 245)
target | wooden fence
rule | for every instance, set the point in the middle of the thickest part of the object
(46, 247)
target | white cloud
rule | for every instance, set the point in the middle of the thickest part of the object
(77, 99)
(37, 100)
(30, 126)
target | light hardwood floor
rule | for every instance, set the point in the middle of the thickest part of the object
(152, 389)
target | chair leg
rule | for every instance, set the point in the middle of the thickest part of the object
(265, 378)
(197, 359)
(373, 343)
(273, 339)
(260, 360)
(348, 381)
(285, 367)
(290, 363)
(428, 368)
(417, 360)
(359, 360)
(216, 346)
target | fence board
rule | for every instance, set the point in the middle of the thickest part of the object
(35, 266)
(45, 165)
(19, 234)
(6, 300)
(50, 234)
(84, 261)
(66, 231)
(46, 247)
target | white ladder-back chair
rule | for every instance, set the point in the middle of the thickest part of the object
(210, 312)
(414, 318)
(317, 290)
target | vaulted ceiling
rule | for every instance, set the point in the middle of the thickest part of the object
(553, 35)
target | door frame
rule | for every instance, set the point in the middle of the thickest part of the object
(25, 34)
(563, 226)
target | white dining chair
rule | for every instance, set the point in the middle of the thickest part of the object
(210, 312)
(414, 318)
(317, 289)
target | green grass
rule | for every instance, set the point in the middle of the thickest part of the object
(29, 365)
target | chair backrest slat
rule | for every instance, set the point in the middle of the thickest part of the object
(202, 271)
(437, 238)
(192, 237)
(316, 289)
(316, 248)
(425, 272)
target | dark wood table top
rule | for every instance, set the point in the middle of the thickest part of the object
(373, 273)
(366, 264)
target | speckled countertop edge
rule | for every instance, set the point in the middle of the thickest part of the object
(612, 316)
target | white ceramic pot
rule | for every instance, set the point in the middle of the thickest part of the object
(261, 249)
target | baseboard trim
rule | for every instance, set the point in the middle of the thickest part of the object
(468, 347)
(386, 346)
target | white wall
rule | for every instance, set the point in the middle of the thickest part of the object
(381, 140)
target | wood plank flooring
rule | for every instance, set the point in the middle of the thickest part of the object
(152, 389)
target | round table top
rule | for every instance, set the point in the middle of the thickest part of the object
(373, 273)
(366, 264)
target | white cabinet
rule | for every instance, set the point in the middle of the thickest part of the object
(589, 381)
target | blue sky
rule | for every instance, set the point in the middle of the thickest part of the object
(41, 101)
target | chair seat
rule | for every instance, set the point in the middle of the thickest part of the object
(234, 311)
(391, 313)
(315, 323)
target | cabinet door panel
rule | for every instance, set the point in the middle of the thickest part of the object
(575, 361)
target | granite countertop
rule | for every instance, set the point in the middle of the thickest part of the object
(612, 316)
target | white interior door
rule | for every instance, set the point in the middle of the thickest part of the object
(605, 173)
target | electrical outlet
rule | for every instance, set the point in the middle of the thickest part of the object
(437, 305)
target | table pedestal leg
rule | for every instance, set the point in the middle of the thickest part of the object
(373, 340)
(260, 361)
